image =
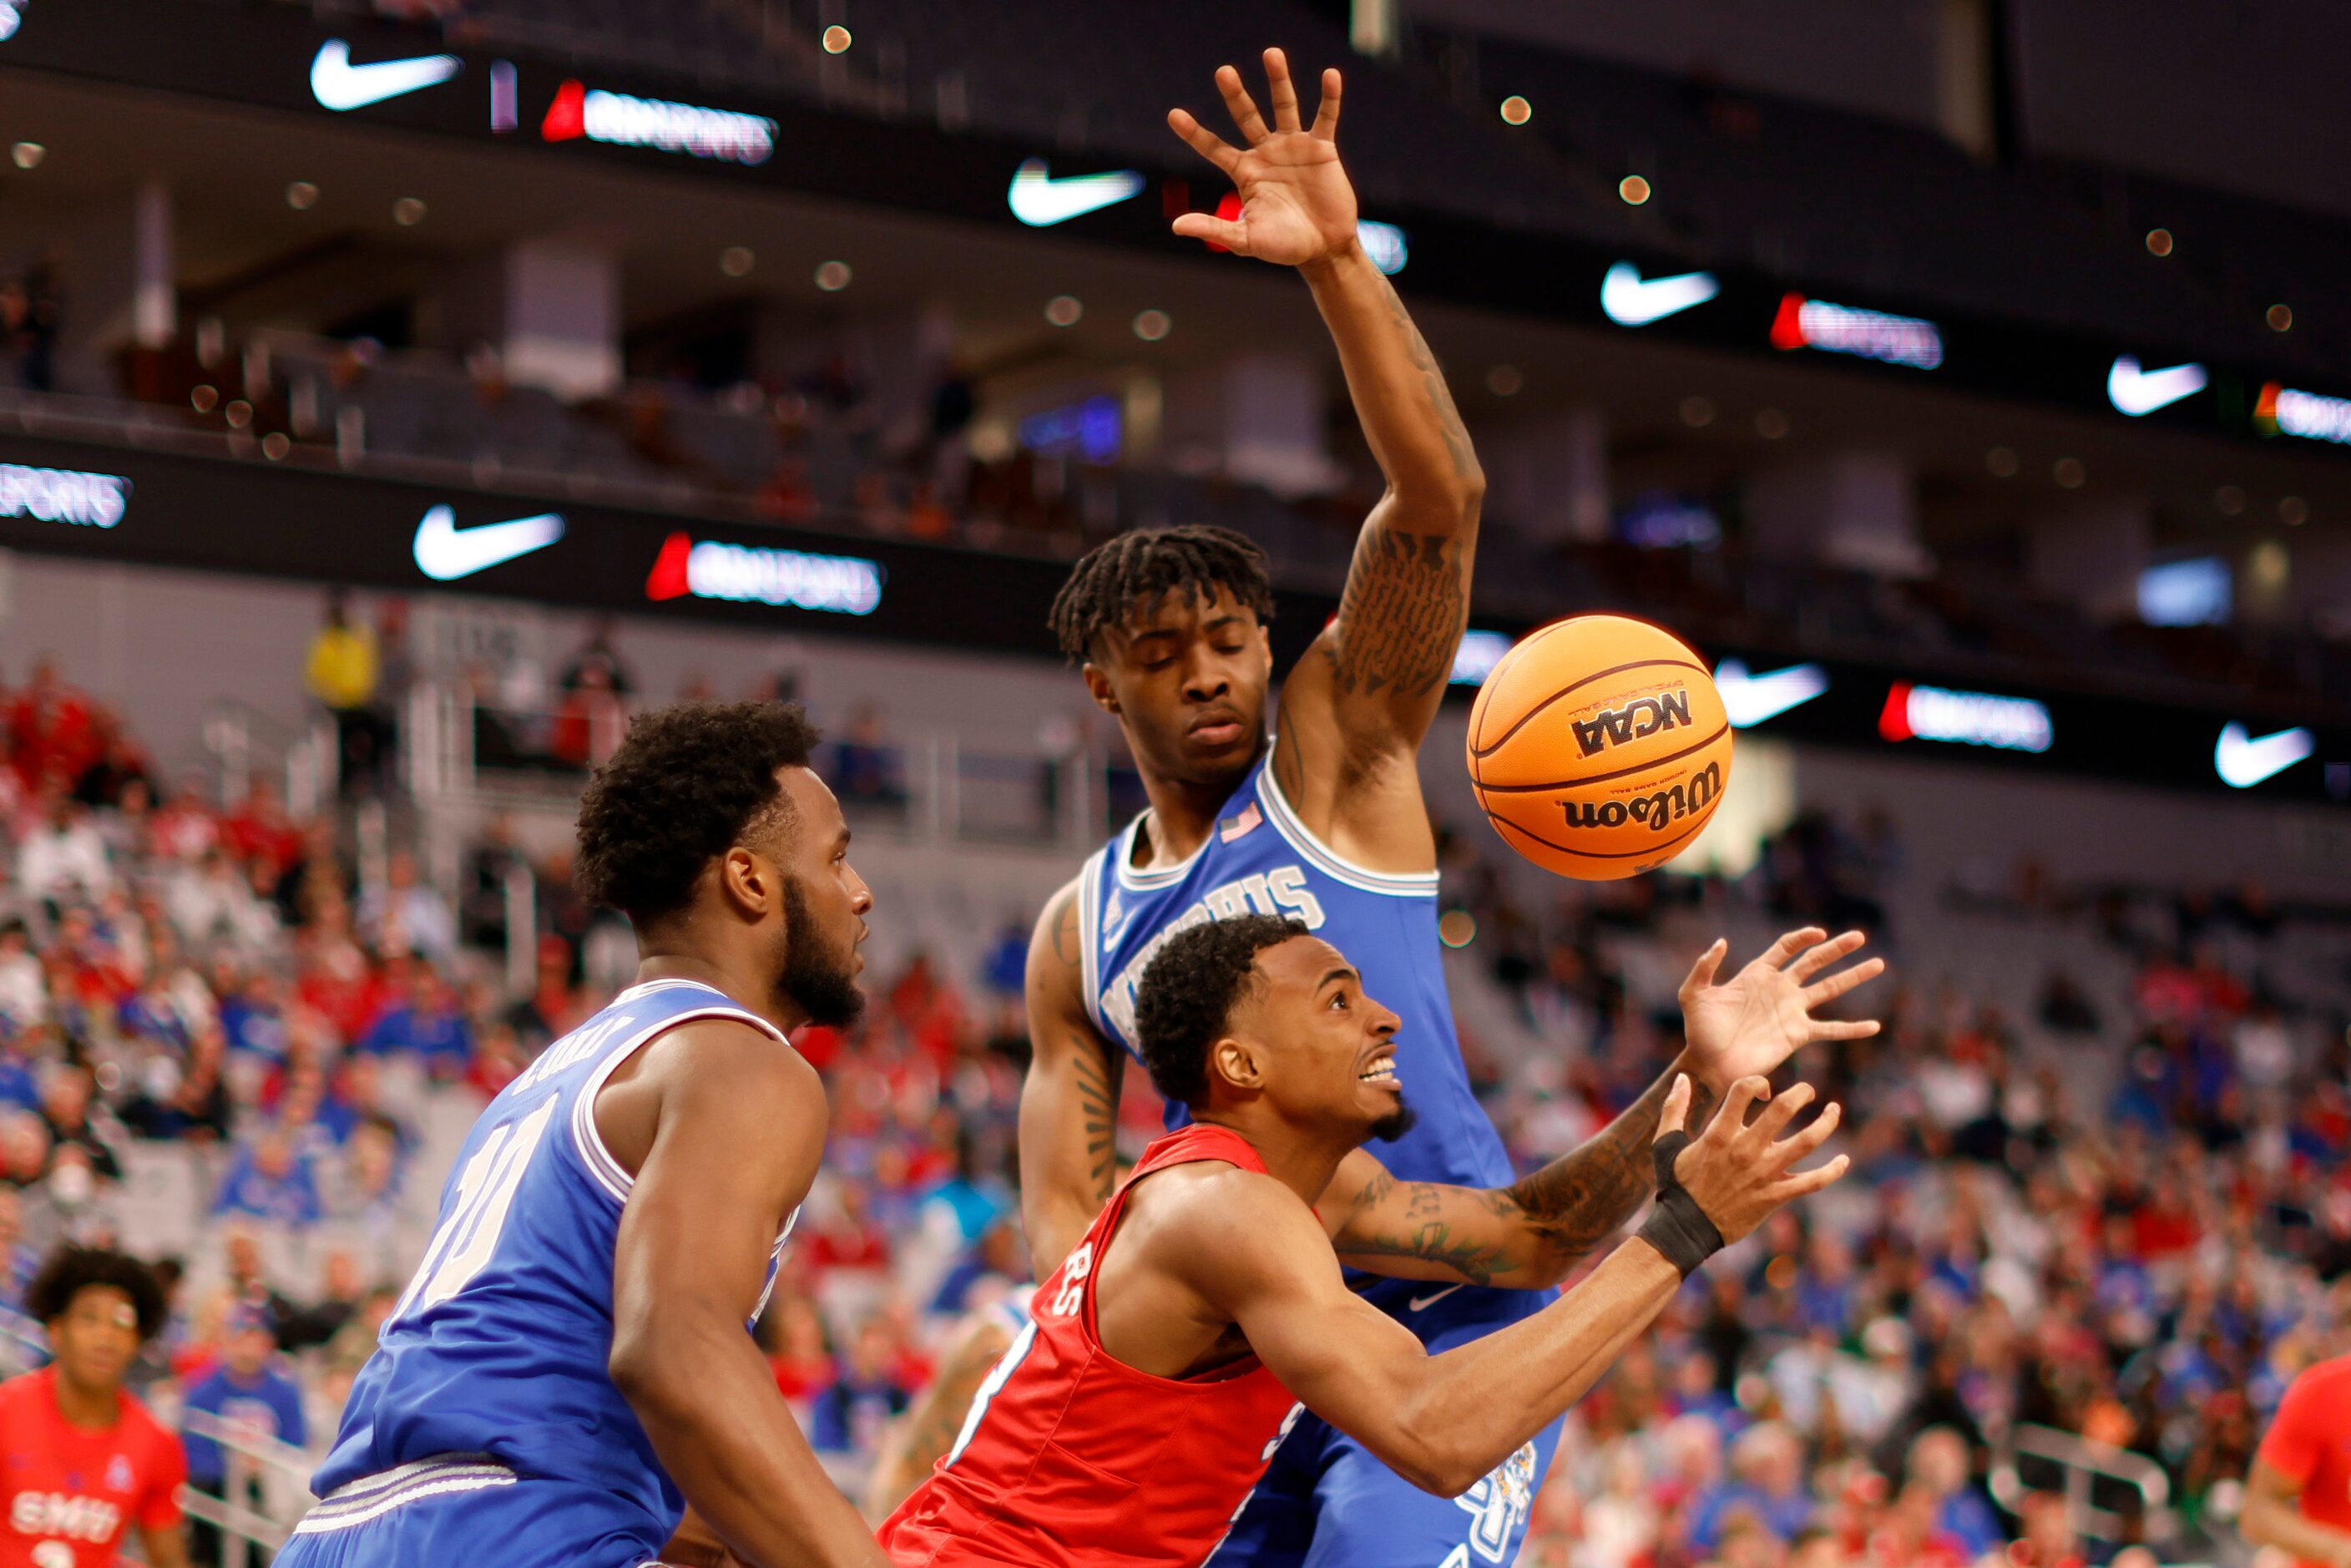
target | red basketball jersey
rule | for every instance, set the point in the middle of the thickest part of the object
(1071, 1458)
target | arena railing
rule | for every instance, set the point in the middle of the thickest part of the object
(2111, 1495)
(251, 1458)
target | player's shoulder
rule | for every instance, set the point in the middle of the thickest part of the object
(2330, 1379)
(25, 1394)
(1216, 1203)
(141, 1423)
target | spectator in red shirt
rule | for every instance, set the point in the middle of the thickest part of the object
(802, 1357)
(259, 830)
(49, 727)
(2298, 1498)
(81, 1461)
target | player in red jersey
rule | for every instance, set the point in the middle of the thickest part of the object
(1131, 1420)
(80, 1461)
(2298, 1498)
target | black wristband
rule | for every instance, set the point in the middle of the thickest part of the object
(1677, 1226)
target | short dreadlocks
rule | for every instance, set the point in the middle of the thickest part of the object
(1135, 572)
(71, 1269)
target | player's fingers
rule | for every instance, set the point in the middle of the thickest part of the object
(1326, 114)
(1702, 973)
(1822, 955)
(1217, 231)
(1240, 106)
(1674, 1116)
(1743, 1093)
(1203, 140)
(1282, 91)
(1805, 1182)
(1844, 1029)
(1784, 1108)
(1790, 944)
(1797, 1145)
(1824, 992)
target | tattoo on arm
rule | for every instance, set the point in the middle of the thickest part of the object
(1572, 1204)
(1440, 396)
(1099, 1075)
(1401, 613)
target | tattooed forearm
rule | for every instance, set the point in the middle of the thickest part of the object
(1440, 396)
(1401, 614)
(1573, 1203)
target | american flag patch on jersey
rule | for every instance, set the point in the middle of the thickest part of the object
(1237, 827)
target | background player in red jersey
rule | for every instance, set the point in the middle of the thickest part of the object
(2298, 1498)
(80, 1461)
(1158, 1376)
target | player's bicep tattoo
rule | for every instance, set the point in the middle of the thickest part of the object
(1401, 614)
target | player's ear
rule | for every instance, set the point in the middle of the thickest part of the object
(1098, 687)
(1236, 1064)
(749, 883)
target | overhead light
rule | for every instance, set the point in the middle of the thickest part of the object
(2280, 317)
(735, 260)
(2069, 472)
(1063, 309)
(2158, 242)
(2292, 511)
(1516, 111)
(2001, 462)
(1770, 423)
(836, 39)
(832, 277)
(1633, 189)
(1697, 413)
(1476, 657)
(1504, 380)
(2230, 500)
(301, 196)
(12, 16)
(27, 154)
(1803, 323)
(1152, 325)
(408, 212)
(1388, 246)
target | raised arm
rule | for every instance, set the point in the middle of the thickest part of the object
(1365, 695)
(1531, 1233)
(738, 1123)
(1068, 1103)
(1443, 1421)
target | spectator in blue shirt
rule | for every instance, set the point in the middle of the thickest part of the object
(271, 1180)
(246, 1390)
(1938, 1464)
(1767, 1465)
(427, 1021)
(254, 1019)
(849, 1417)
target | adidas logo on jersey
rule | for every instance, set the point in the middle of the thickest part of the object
(1642, 716)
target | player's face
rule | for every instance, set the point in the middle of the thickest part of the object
(97, 1337)
(1187, 683)
(825, 902)
(1330, 1048)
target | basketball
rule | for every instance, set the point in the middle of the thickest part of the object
(1599, 747)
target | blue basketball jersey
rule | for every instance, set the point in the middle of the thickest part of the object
(497, 1351)
(1260, 858)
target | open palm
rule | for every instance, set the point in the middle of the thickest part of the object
(1750, 1023)
(1296, 203)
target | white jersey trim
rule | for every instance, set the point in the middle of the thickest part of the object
(608, 1172)
(1328, 861)
(371, 1497)
(1089, 937)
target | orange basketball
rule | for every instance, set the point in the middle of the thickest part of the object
(1599, 747)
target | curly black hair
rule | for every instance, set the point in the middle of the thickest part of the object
(1132, 573)
(687, 784)
(70, 1270)
(1188, 994)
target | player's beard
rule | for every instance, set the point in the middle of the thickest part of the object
(1396, 1123)
(822, 982)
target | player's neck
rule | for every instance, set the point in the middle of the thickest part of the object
(91, 1409)
(1294, 1156)
(1183, 815)
(737, 982)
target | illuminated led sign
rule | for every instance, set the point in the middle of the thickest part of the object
(1630, 299)
(2243, 760)
(2281, 410)
(2134, 391)
(1804, 323)
(1748, 700)
(841, 584)
(1385, 244)
(1041, 201)
(1965, 718)
(63, 496)
(1475, 658)
(620, 121)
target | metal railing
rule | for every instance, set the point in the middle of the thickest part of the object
(250, 1458)
(243, 742)
(2093, 1477)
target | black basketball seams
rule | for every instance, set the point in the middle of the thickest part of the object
(1504, 739)
(1504, 824)
(1601, 777)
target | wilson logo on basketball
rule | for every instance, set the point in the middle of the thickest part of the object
(1656, 811)
(1642, 716)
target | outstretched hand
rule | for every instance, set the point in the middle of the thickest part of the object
(1750, 1023)
(1738, 1171)
(1297, 206)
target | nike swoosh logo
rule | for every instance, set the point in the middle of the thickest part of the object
(1748, 700)
(339, 85)
(2243, 760)
(1421, 1304)
(1041, 201)
(444, 555)
(2136, 392)
(1631, 300)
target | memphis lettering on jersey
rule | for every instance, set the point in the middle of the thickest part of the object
(571, 1049)
(55, 1513)
(1281, 891)
(1642, 716)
